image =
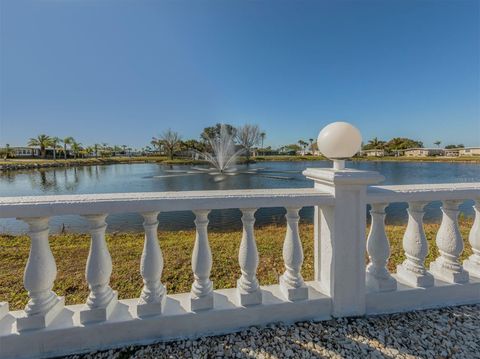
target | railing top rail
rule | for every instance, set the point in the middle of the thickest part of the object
(423, 192)
(39, 206)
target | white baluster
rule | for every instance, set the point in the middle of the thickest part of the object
(291, 282)
(450, 245)
(249, 291)
(378, 278)
(152, 299)
(102, 299)
(472, 264)
(3, 309)
(202, 292)
(40, 273)
(412, 271)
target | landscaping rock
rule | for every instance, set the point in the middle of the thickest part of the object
(442, 333)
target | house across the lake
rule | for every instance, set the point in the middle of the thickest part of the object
(376, 152)
(451, 152)
(25, 151)
(469, 151)
(423, 152)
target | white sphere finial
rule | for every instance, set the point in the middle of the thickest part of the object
(338, 141)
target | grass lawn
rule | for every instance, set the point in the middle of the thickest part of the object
(71, 250)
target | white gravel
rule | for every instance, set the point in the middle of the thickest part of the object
(442, 333)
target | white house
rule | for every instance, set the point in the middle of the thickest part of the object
(469, 151)
(25, 151)
(423, 152)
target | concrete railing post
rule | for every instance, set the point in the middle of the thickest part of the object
(340, 240)
(152, 299)
(201, 296)
(249, 292)
(40, 273)
(450, 245)
(102, 299)
(472, 264)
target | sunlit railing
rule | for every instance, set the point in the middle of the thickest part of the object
(343, 284)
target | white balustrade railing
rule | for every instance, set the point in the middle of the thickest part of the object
(343, 284)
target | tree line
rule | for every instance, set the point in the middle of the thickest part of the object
(247, 137)
(400, 143)
(66, 147)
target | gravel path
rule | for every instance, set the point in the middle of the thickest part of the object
(443, 333)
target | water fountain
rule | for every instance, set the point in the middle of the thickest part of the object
(221, 160)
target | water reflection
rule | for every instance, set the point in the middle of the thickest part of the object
(144, 178)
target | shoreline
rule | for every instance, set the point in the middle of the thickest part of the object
(27, 164)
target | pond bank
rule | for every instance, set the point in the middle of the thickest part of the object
(21, 164)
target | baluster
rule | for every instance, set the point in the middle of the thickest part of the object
(102, 299)
(450, 245)
(202, 292)
(291, 282)
(40, 273)
(412, 270)
(378, 248)
(472, 264)
(3, 309)
(249, 291)
(153, 296)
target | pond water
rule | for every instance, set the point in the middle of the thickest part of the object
(149, 177)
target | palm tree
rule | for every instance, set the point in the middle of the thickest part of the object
(42, 141)
(437, 143)
(375, 143)
(7, 152)
(76, 147)
(89, 150)
(311, 144)
(262, 136)
(95, 147)
(54, 143)
(66, 141)
(303, 144)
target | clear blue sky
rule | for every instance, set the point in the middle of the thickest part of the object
(123, 71)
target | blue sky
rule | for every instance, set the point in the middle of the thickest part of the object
(122, 71)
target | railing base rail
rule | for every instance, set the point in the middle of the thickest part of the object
(407, 298)
(66, 335)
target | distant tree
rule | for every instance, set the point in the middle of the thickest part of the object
(7, 152)
(54, 142)
(42, 141)
(193, 145)
(248, 136)
(262, 136)
(400, 143)
(90, 150)
(66, 141)
(117, 149)
(170, 141)
(454, 146)
(437, 143)
(214, 131)
(292, 148)
(157, 144)
(96, 147)
(303, 144)
(311, 144)
(76, 147)
(374, 144)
